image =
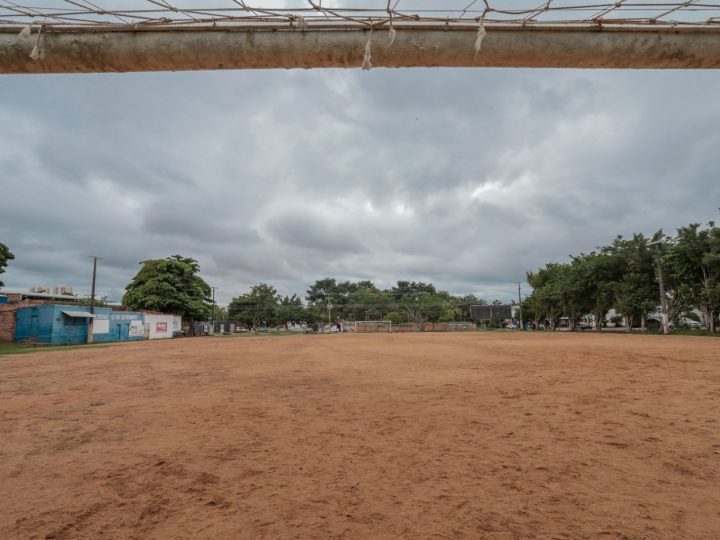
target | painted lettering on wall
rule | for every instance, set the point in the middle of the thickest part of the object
(161, 327)
(117, 316)
(136, 329)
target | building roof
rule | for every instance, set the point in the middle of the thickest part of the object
(79, 314)
(49, 296)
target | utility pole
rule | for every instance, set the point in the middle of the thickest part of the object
(92, 291)
(329, 308)
(95, 259)
(212, 317)
(519, 283)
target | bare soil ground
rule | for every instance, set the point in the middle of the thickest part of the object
(476, 435)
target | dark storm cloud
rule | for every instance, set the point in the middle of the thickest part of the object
(309, 231)
(467, 178)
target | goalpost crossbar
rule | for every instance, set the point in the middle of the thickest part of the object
(78, 37)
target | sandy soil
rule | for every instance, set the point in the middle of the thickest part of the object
(370, 436)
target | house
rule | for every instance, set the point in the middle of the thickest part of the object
(61, 324)
(159, 325)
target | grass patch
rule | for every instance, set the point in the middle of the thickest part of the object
(693, 332)
(22, 348)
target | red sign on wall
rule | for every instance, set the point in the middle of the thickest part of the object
(161, 327)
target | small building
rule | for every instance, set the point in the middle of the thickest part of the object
(11, 301)
(8, 313)
(114, 325)
(159, 325)
(59, 324)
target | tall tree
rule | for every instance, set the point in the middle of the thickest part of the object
(290, 310)
(599, 272)
(676, 281)
(696, 254)
(418, 300)
(368, 303)
(256, 308)
(5, 256)
(323, 291)
(548, 299)
(171, 285)
(464, 303)
(636, 293)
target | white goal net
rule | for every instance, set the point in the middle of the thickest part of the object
(367, 327)
(368, 13)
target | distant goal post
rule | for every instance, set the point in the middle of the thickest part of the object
(372, 327)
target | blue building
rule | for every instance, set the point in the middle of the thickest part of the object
(57, 324)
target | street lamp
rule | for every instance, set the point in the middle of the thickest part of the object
(661, 284)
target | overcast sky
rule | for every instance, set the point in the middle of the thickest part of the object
(466, 178)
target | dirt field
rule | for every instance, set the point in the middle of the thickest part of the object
(482, 435)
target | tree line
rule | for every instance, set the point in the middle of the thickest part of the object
(173, 285)
(628, 275)
(329, 300)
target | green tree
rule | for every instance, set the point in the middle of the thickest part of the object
(171, 285)
(464, 303)
(326, 292)
(368, 303)
(5, 256)
(396, 317)
(598, 274)
(419, 301)
(636, 293)
(576, 293)
(322, 292)
(549, 297)
(696, 255)
(677, 282)
(290, 310)
(101, 301)
(256, 308)
(221, 313)
(532, 311)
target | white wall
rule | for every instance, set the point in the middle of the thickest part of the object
(160, 326)
(101, 326)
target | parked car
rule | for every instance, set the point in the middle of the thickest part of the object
(690, 323)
